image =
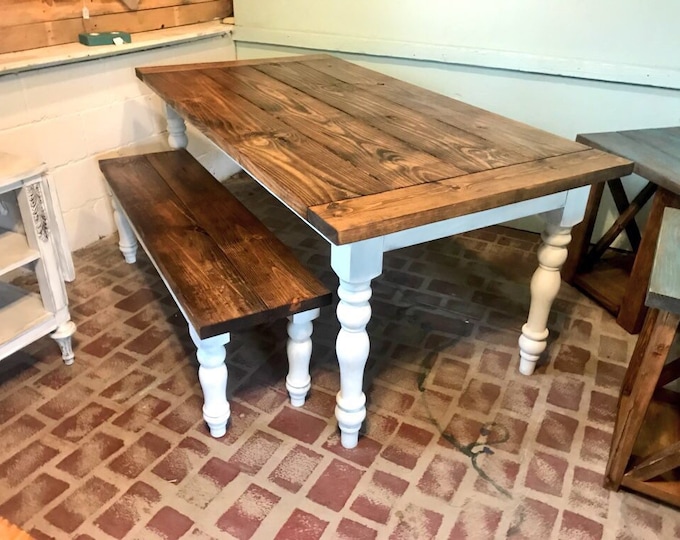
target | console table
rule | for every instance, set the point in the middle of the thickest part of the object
(32, 235)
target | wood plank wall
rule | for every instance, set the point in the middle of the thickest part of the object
(30, 24)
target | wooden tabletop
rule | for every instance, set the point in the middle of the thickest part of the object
(359, 154)
(656, 152)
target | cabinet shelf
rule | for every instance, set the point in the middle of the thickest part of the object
(21, 313)
(14, 251)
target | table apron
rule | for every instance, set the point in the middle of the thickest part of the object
(477, 220)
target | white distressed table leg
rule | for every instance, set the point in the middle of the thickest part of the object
(62, 335)
(212, 374)
(177, 129)
(546, 281)
(127, 241)
(299, 348)
(356, 265)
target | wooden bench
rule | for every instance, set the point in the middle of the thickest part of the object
(224, 268)
(645, 452)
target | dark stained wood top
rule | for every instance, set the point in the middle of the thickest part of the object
(359, 154)
(664, 283)
(656, 152)
(225, 268)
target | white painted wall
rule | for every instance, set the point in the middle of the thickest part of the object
(629, 40)
(507, 57)
(70, 116)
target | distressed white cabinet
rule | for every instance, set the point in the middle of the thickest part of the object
(32, 236)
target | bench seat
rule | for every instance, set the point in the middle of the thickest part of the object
(224, 268)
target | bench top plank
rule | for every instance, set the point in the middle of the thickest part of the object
(664, 283)
(207, 245)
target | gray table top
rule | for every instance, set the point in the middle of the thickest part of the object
(656, 152)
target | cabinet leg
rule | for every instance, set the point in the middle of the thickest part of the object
(212, 374)
(299, 348)
(62, 335)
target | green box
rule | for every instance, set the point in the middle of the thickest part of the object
(92, 39)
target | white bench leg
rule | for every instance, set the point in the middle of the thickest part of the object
(127, 241)
(177, 129)
(212, 375)
(299, 348)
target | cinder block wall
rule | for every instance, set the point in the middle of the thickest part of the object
(69, 116)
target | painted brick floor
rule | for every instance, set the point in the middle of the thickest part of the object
(457, 444)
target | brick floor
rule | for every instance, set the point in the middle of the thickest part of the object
(456, 445)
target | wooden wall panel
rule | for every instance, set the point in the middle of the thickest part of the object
(17, 12)
(61, 21)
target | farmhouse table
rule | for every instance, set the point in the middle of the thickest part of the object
(374, 164)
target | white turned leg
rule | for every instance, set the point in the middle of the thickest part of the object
(299, 349)
(177, 129)
(352, 347)
(356, 265)
(62, 335)
(212, 374)
(546, 281)
(545, 284)
(127, 241)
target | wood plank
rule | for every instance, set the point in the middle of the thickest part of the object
(418, 129)
(633, 309)
(666, 491)
(32, 36)
(638, 386)
(143, 72)
(655, 152)
(366, 217)
(19, 12)
(622, 204)
(607, 281)
(280, 280)
(581, 235)
(622, 222)
(512, 135)
(670, 372)
(167, 230)
(293, 167)
(664, 283)
(657, 464)
(383, 157)
(217, 293)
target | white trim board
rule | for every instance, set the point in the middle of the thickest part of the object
(487, 58)
(70, 53)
